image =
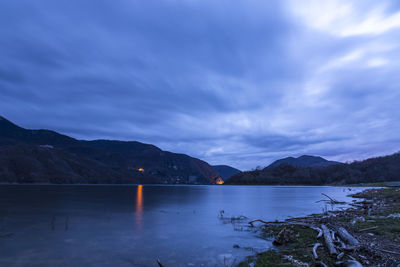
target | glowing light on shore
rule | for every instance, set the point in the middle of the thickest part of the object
(219, 181)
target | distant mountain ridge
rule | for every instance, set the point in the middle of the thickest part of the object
(304, 161)
(47, 156)
(225, 171)
(380, 169)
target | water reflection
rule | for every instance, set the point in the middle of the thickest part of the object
(139, 205)
(179, 224)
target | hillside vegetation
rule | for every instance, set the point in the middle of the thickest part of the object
(367, 171)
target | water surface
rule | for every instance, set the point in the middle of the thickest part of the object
(134, 225)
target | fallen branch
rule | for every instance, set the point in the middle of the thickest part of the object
(262, 221)
(159, 263)
(349, 248)
(348, 238)
(294, 261)
(318, 230)
(285, 236)
(331, 200)
(367, 229)
(289, 223)
(328, 240)
(388, 251)
(348, 263)
(314, 250)
(340, 256)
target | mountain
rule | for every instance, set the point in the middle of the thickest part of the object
(303, 161)
(380, 169)
(47, 156)
(225, 171)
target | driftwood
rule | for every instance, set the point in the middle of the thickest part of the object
(328, 240)
(262, 221)
(285, 236)
(367, 229)
(349, 248)
(331, 200)
(348, 238)
(314, 250)
(294, 261)
(289, 223)
(340, 256)
(388, 251)
(318, 230)
(348, 263)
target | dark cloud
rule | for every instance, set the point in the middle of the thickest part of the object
(239, 83)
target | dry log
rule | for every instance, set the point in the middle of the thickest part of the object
(333, 235)
(367, 229)
(348, 263)
(317, 229)
(340, 256)
(314, 250)
(262, 221)
(285, 236)
(294, 261)
(348, 238)
(388, 251)
(328, 240)
(349, 248)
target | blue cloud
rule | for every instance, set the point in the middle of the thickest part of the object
(239, 83)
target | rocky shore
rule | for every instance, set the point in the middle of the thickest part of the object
(366, 234)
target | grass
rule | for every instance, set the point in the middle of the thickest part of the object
(389, 227)
(377, 184)
(385, 193)
(300, 248)
(386, 227)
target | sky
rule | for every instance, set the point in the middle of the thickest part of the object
(238, 82)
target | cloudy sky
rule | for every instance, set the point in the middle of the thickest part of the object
(239, 82)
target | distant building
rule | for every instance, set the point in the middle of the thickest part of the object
(219, 181)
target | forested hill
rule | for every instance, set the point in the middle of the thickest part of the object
(44, 156)
(367, 171)
(225, 171)
(304, 161)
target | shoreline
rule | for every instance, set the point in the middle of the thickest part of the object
(380, 185)
(373, 220)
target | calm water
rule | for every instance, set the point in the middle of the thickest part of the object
(136, 225)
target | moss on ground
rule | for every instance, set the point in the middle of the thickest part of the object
(386, 227)
(300, 248)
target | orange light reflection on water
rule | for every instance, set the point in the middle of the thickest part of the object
(139, 205)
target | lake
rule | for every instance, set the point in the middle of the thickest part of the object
(134, 225)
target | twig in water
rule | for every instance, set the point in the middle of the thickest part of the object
(6, 235)
(159, 263)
